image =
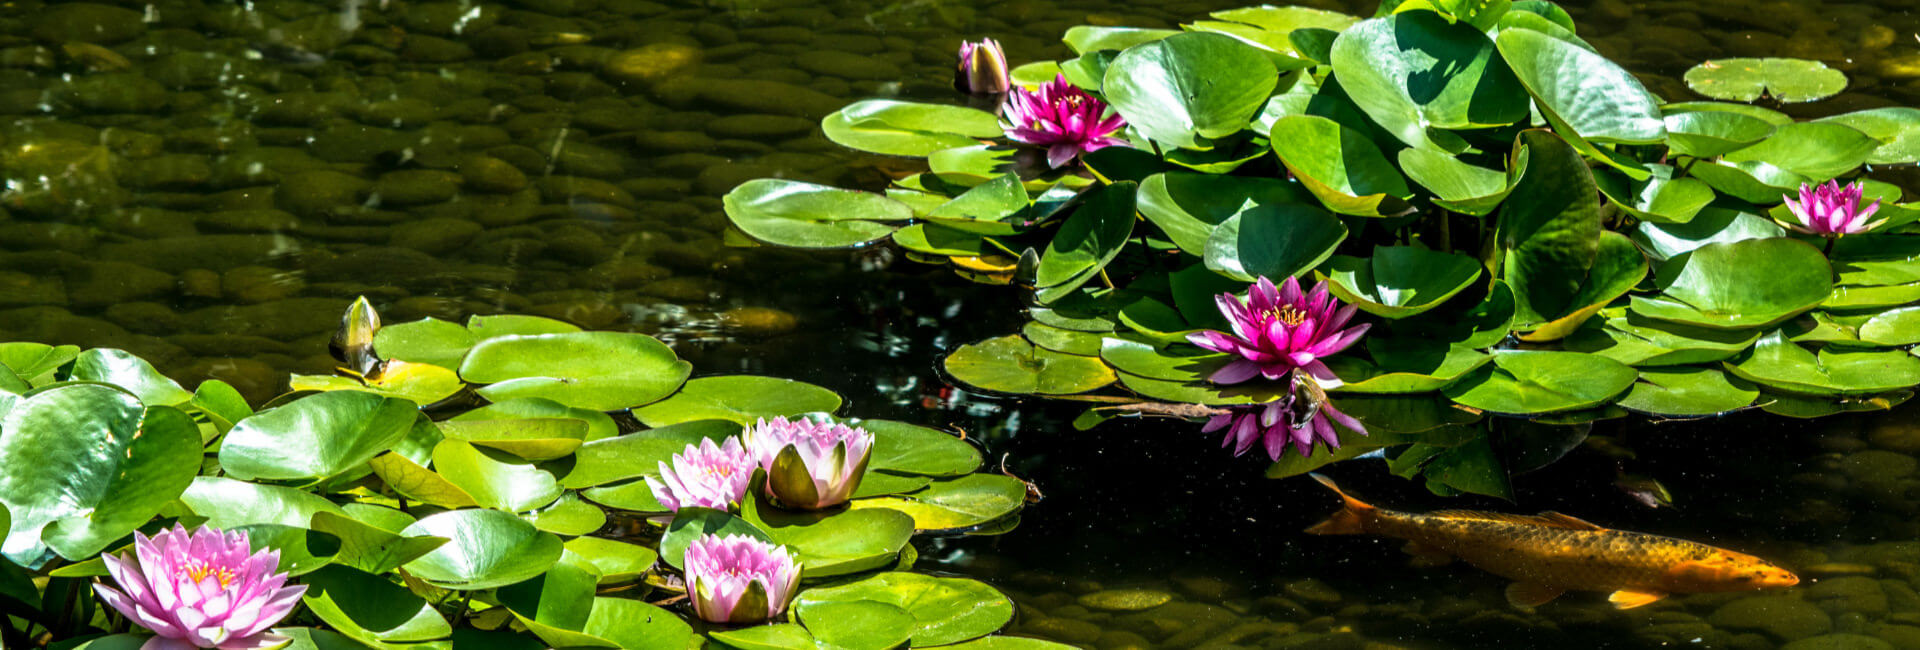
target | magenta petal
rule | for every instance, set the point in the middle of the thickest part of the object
(1211, 340)
(1236, 372)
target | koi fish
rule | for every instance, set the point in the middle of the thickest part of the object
(1551, 553)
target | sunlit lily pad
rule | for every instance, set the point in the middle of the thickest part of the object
(1273, 241)
(805, 215)
(1817, 150)
(956, 503)
(1011, 364)
(739, 398)
(1152, 86)
(486, 549)
(1872, 297)
(427, 340)
(836, 544)
(639, 453)
(1340, 166)
(1416, 71)
(420, 383)
(1717, 286)
(1706, 134)
(907, 128)
(911, 449)
(495, 479)
(1893, 327)
(599, 425)
(1687, 391)
(1405, 366)
(1659, 198)
(1400, 281)
(1896, 127)
(1580, 91)
(1663, 241)
(1525, 382)
(36, 362)
(1746, 79)
(603, 371)
(945, 610)
(1639, 341)
(316, 437)
(616, 561)
(528, 438)
(1087, 241)
(1785, 365)
(1188, 206)
(1459, 186)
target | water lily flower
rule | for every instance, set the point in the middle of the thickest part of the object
(204, 589)
(1276, 330)
(1290, 419)
(1829, 210)
(704, 476)
(1063, 118)
(982, 69)
(810, 464)
(739, 579)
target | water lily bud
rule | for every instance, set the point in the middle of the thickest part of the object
(352, 344)
(1829, 210)
(810, 465)
(983, 69)
(204, 589)
(739, 579)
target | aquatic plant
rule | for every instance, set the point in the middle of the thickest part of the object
(810, 464)
(1064, 119)
(1829, 210)
(1532, 233)
(982, 69)
(1279, 330)
(200, 589)
(739, 579)
(704, 476)
(562, 477)
(1293, 419)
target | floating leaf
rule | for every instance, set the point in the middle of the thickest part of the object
(1746, 79)
(1187, 206)
(227, 503)
(738, 398)
(944, 610)
(1706, 134)
(805, 215)
(1716, 285)
(1400, 281)
(1687, 391)
(1816, 150)
(371, 609)
(1525, 382)
(494, 479)
(840, 543)
(1186, 89)
(485, 549)
(82, 465)
(602, 371)
(1089, 239)
(420, 383)
(118, 367)
(637, 454)
(1416, 71)
(962, 502)
(1273, 241)
(316, 437)
(1011, 364)
(1459, 186)
(1340, 166)
(1405, 366)
(858, 625)
(907, 128)
(1782, 364)
(909, 449)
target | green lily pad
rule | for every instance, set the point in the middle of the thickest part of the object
(1707, 134)
(739, 398)
(951, 504)
(370, 548)
(944, 610)
(1897, 128)
(527, 438)
(1639, 341)
(1782, 364)
(1659, 198)
(494, 479)
(600, 426)
(568, 516)
(120, 368)
(805, 215)
(228, 503)
(1687, 391)
(909, 449)
(691, 523)
(37, 363)
(838, 544)
(414, 481)
(420, 383)
(616, 561)
(619, 623)
(1011, 364)
(1089, 239)
(1746, 79)
(371, 609)
(1582, 93)
(1753, 181)
(485, 549)
(1089, 38)
(316, 437)
(1526, 382)
(602, 371)
(1187, 206)
(1459, 186)
(1064, 341)
(1273, 241)
(1405, 366)
(1872, 297)
(858, 625)
(1416, 71)
(1663, 241)
(1339, 165)
(990, 208)
(939, 240)
(638, 454)
(1400, 281)
(968, 166)
(1188, 88)
(1816, 150)
(427, 340)
(907, 128)
(1715, 285)
(1893, 327)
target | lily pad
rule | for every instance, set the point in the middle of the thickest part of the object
(427, 340)
(1659, 198)
(638, 454)
(1416, 71)
(910, 449)
(1340, 166)
(420, 383)
(1526, 382)
(805, 215)
(371, 609)
(1816, 150)
(1089, 239)
(858, 625)
(738, 398)
(1273, 241)
(1715, 286)
(1188, 88)
(957, 503)
(316, 437)
(944, 610)
(1639, 341)
(836, 544)
(527, 438)
(1893, 327)
(1405, 366)
(1459, 186)
(1897, 128)
(494, 479)
(1688, 391)
(1782, 364)
(485, 549)
(1400, 281)
(1706, 134)
(1011, 364)
(120, 368)
(1747, 79)
(1187, 206)
(1582, 93)
(616, 561)
(602, 371)
(907, 128)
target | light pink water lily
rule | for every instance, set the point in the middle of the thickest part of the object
(982, 69)
(1289, 420)
(810, 464)
(1063, 118)
(1829, 210)
(204, 589)
(704, 476)
(739, 579)
(1276, 330)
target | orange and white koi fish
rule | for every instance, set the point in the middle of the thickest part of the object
(1551, 553)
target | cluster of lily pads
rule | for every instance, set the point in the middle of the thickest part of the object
(491, 483)
(1528, 229)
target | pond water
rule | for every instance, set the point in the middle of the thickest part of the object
(208, 185)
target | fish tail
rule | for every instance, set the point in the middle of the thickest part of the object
(1350, 520)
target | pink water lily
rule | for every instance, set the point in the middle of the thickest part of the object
(982, 69)
(810, 464)
(1829, 210)
(1063, 118)
(1276, 330)
(1289, 420)
(739, 579)
(204, 589)
(704, 476)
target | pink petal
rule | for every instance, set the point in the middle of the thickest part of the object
(1234, 373)
(167, 643)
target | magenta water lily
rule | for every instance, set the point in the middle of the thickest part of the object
(1294, 419)
(1063, 118)
(1278, 329)
(739, 579)
(704, 476)
(810, 464)
(200, 589)
(1830, 210)
(982, 69)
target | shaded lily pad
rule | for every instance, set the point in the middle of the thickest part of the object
(1400, 281)
(602, 371)
(1089, 239)
(1715, 285)
(1416, 71)
(1274, 241)
(1340, 166)
(1659, 198)
(1011, 364)
(1188, 206)
(944, 610)
(1746, 79)
(738, 398)
(1525, 382)
(1459, 186)
(1688, 391)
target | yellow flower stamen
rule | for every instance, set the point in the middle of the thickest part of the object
(198, 570)
(1288, 314)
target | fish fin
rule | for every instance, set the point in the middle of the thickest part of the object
(1532, 594)
(1569, 521)
(1631, 598)
(1549, 519)
(1426, 556)
(1350, 520)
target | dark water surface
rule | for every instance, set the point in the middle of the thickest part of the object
(208, 184)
